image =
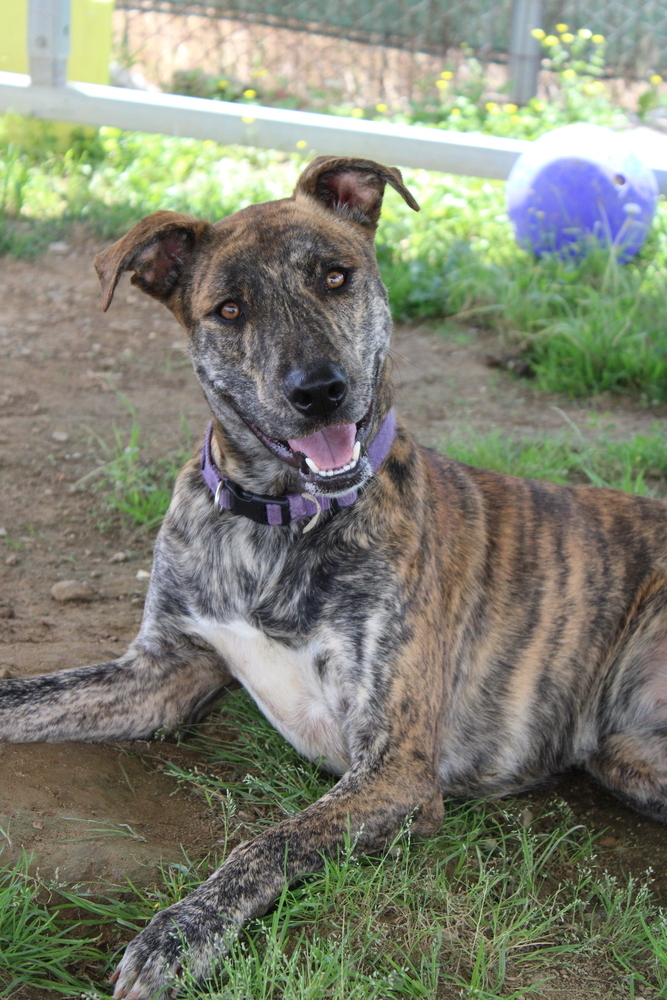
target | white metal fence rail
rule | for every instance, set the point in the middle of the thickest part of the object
(45, 94)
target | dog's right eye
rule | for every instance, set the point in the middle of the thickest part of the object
(230, 311)
(335, 279)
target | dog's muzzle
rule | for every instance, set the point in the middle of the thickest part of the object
(283, 510)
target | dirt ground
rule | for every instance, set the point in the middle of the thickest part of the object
(105, 812)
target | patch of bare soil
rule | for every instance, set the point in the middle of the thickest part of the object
(103, 812)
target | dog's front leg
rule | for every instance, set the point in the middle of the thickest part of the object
(369, 803)
(141, 693)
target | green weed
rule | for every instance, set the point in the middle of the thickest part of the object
(138, 490)
(34, 947)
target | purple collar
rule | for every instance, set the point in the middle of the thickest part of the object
(293, 506)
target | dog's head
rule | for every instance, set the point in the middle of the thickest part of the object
(287, 315)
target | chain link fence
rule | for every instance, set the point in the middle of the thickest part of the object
(355, 51)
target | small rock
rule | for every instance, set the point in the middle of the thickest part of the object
(6, 612)
(526, 817)
(71, 590)
(608, 841)
(12, 560)
(5, 674)
(143, 574)
(3, 532)
(60, 436)
(96, 574)
(38, 825)
(118, 557)
(59, 247)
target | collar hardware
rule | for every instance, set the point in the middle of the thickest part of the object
(255, 505)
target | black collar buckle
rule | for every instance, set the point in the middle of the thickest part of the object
(254, 505)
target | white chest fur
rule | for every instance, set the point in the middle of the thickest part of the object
(285, 684)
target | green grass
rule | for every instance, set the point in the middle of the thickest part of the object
(494, 905)
(129, 485)
(637, 465)
(35, 947)
(587, 326)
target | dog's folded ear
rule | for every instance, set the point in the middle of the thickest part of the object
(156, 250)
(351, 187)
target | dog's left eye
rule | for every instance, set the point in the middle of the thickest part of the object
(230, 311)
(335, 279)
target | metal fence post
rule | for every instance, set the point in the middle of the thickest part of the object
(48, 41)
(525, 51)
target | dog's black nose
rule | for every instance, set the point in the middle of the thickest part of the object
(316, 392)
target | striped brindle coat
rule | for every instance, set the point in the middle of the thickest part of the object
(452, 632)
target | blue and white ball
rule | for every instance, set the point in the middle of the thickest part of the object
(579, 184)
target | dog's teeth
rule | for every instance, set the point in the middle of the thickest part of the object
(335, 472)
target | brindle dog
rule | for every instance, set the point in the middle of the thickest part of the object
(451, 632)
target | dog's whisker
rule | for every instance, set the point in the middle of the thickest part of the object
(392, 350)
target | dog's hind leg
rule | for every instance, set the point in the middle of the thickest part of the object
(129, 698)
(633, 766)
(631, 757)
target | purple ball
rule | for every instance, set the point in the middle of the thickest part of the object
(578, 184)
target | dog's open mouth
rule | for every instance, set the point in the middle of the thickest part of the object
(332, 457)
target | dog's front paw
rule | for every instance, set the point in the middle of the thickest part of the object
(187, 933)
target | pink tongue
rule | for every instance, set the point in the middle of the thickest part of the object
(329, 448)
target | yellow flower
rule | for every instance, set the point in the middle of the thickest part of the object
(551, 40)
(357, 112)
(441, 84)
(446, 74)
(568, 74)
(655, 79)
(598, 39)
(381, 108)
(250, 94)
(223, 84)
(455, 112)
(567, 37)
(510, 108)
(561, 27)
(538, 34)
(584, 33)
(491, 106)
(538, 105)
(301, 144)
(247, 121)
